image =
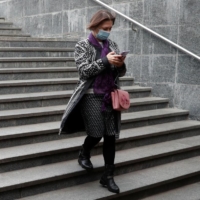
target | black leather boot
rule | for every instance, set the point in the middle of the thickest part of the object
(107, 179)
(84, 159)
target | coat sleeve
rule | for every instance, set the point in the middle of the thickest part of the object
(121, 70)
(87, 67)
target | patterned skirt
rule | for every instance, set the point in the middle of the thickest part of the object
(97, 123)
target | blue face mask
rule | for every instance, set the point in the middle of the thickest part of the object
(103, 35)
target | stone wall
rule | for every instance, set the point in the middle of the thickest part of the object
(151, 62)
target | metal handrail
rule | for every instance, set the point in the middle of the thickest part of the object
(149, 30)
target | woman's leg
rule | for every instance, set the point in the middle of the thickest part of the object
(109, 158)
(109, 150)
(84, 154)
(90, 142)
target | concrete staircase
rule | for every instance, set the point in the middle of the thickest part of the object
(158, 149)
(8, 30)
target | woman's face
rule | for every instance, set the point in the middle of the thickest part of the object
(106, 26)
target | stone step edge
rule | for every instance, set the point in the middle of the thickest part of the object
(126, 117)
(30, 151)
(145, 101)
(133, 102)
(129, 183)
(58, 94)
(6, 22)
(53, 127)
(15, 83)
(36, 59)
(22, 178)
(14, 35)
(152, 114)
(58, 171)
(10, 28)
(187, 192)
(148, 101)
(33, 49)
(36, 70)
(37, 82)
(37, 39)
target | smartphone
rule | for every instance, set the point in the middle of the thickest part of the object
(124, 53)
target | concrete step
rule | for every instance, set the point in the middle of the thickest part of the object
(41, 39)
(31, 100)
(33, 62)
(54, 113)
(10, 31)
(31, 155)
(134, 185)
(148, 103)
(44, 85)
(136, 91)
(36, 52)
(39, 85)
(69, 173)
(2, 19)
(41, 132)
(37, 73)
(151, 117)
(37, 59)
(187, 192)
(5, 24)
(37, 63)
(14, 35)
(33, 49)
(37, 42)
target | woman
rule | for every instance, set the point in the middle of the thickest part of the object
(99, 65)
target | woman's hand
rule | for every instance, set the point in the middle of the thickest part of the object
(116, 60)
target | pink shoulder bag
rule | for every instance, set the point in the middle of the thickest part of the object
(120, 100)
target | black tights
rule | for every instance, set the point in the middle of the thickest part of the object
(108, 147)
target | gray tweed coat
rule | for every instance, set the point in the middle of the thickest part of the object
(89, 65)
